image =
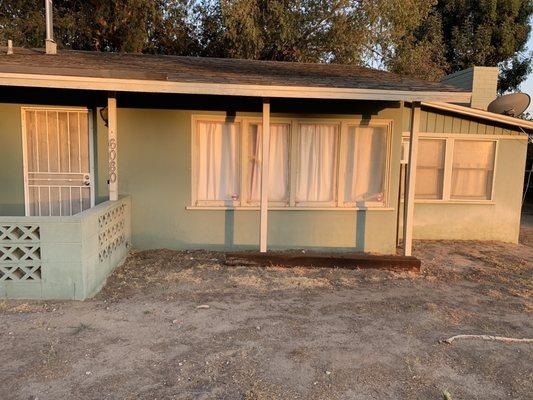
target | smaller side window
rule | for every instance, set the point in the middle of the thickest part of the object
(430, 169)
(472, 169)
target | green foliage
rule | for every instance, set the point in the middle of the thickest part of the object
(121, 25)
(458, 34)
(422, 38)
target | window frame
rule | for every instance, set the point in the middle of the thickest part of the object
(245, 165)
(296, 157)
(446, 145)
(294, 135)
(387, 124)
(450, 139)
(195, 150)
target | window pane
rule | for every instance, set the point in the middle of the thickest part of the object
(317, 147)
(365, 164)
(217, 171)
(430, 169)
(473, 165)
(278, 163)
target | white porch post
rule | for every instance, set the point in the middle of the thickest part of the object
(409, 197)
(265, 146)
(112, 146)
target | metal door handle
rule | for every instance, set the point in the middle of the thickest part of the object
(87, 180)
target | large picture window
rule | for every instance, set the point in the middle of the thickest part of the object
(366, 161)
(317, 163)
(278, 163)
(312, 163)
(217, 164)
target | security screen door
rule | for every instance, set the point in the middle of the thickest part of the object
(57, 174)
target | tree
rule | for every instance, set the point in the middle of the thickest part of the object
(458, 34)
(341, 31)
(102, 25)
(422, 38)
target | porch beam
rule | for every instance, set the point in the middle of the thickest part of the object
(112, 146)
(265, 146)
(409, 203)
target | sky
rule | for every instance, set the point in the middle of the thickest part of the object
(527, 86)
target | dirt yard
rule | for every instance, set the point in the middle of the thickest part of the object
(180, 325)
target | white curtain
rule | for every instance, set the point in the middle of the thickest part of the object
(217, 160)
(316, 164)
(430, 169)
(473, 165)
(278, 163)
(365, 164)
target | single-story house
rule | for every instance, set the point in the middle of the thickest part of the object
(100, 151)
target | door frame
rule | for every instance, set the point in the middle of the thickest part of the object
(90, 125)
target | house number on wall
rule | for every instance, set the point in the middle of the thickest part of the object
(112, 160)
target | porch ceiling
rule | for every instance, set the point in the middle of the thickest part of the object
(214, 76)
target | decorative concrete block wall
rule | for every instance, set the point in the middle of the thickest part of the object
(63, 257)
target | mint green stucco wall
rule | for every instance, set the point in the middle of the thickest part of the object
(155, 169)
(499, 220)
(11, 161)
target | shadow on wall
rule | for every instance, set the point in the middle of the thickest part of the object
(360, 229)
(12, 210)
(229, 228)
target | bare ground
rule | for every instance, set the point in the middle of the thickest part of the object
(278, 333)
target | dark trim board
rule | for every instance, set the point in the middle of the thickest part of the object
(324, 260)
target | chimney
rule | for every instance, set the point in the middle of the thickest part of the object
(481, 81)
(50, 45)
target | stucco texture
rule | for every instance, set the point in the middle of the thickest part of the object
(11, 161)
(155, 169)
(499, 220)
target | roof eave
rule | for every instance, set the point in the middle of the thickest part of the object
(155, 86)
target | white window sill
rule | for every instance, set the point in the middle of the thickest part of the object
(278, 208)
(436, 201)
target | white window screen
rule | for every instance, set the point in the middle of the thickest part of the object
(430, 169)
(217, 161)
(365, 164)
(472, 169)
(278, 163)
(317, 147)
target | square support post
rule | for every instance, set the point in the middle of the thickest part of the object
(409, 203)
(265, 147)
(112, 146)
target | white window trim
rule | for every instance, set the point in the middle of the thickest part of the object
(194, 151)
(336, 204)
(450, 139)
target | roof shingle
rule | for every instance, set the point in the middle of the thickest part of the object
(210, 70)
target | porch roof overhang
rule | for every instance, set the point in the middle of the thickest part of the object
(215, 76)
(275, 91)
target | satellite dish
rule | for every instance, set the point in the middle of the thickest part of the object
(510, 104)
